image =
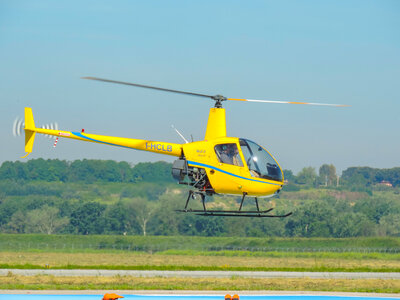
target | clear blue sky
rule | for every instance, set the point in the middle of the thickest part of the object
(321, 51)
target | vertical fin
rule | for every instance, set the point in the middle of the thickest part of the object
(29, 123)
(29, 131)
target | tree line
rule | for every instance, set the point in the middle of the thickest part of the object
(89, 170)
(142, 199)
(351, 177)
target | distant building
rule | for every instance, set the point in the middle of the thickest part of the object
(385, 183)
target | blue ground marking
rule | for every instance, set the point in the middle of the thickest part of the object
(186, 297)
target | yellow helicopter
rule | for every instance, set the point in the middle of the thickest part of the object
(217, 165)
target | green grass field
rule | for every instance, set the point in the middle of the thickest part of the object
(235, 283)
(72, 243)
(198, 253)
(143, 261)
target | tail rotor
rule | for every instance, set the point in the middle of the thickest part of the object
(52, 126)
(19, 126)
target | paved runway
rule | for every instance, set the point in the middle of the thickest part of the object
(204, 274)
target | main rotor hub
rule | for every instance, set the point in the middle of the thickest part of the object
(218, 100)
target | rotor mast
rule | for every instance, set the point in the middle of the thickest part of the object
(216, 125)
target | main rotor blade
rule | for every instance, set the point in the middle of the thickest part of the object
(287, 102)
(147, 87)
(217, 98)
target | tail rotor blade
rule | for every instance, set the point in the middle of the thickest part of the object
(14, 129)
(48, 127)
(18, 126)
(51, 126)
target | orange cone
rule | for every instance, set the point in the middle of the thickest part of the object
(111, 296)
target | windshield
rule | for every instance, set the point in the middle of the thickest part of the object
(261, 164)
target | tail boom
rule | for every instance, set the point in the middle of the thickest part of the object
(144, 145)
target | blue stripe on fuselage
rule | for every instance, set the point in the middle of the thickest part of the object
(93, 140)
(228, 173)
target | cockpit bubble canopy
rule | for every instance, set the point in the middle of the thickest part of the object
(261, 164)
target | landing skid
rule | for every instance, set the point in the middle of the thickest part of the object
(229, 213)
(255, 215)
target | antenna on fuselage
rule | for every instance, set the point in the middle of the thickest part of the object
(180, 134)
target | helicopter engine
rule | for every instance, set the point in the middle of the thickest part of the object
(193, 176)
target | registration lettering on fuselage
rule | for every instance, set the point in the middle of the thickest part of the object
(159, 147)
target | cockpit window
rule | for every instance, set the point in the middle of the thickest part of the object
(261, 164)
(228, 154)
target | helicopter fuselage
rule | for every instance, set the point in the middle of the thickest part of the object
(216, 165)
(230, 167)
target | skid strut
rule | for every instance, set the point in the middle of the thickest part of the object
(228, 213)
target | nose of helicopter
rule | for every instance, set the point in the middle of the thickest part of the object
(260, 163)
